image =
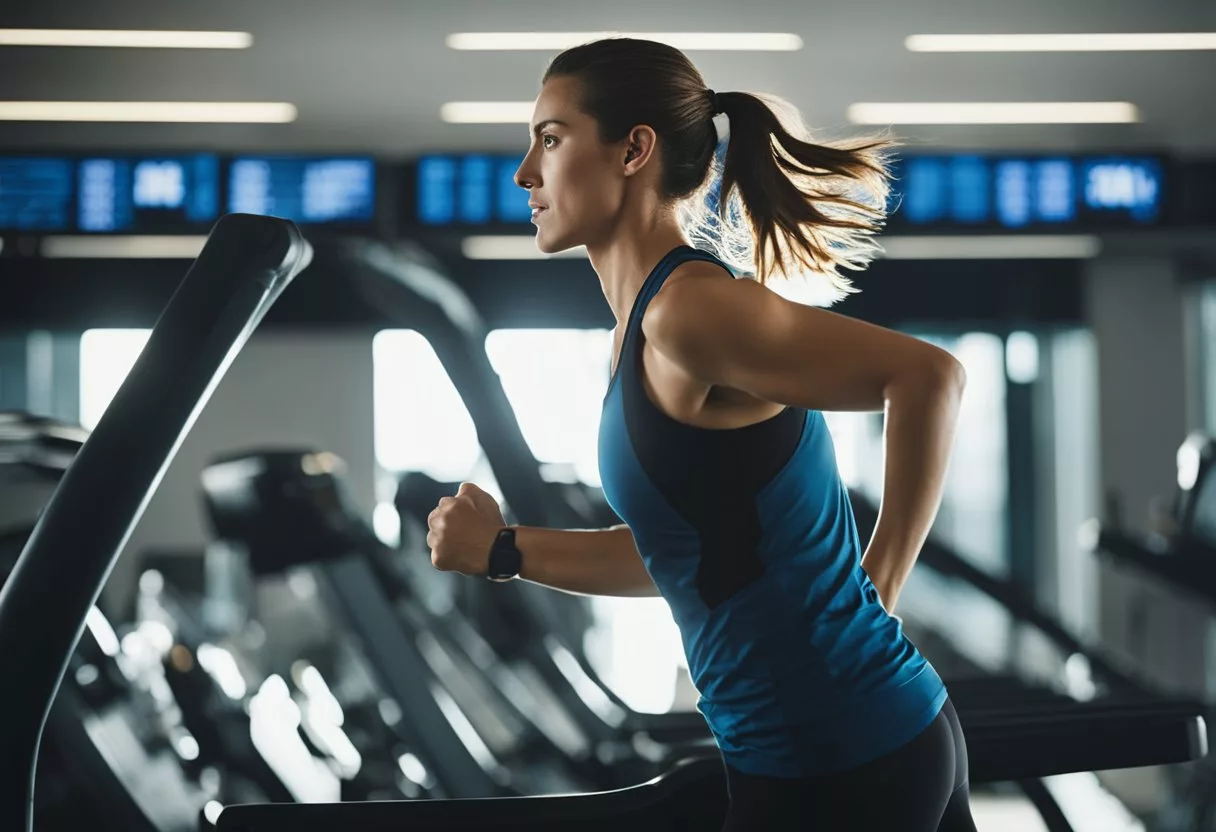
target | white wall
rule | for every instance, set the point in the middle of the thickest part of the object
(1067, 465)
(284, 389)
(1135, 308)
(1136, 311)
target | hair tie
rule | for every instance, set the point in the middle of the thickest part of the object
(713, 101)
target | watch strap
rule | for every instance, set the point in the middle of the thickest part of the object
(505, 557)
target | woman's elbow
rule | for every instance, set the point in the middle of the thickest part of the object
(949, 373)
(939, 376)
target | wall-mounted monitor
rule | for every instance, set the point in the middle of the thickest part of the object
(36, 194)
(309, 191)
(147, 194)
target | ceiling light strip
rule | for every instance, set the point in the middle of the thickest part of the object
(894, 247)
(1099, 42)
(1046, 112)
(487, 112)
(126, 38)
(214, 112)
(691, 41)
(122, 247)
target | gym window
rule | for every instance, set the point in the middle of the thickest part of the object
(106, 357)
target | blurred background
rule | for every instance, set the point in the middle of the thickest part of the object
(1053, 227)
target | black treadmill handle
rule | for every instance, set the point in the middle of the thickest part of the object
(998, 753)
(246, 263)
(1185, 565)
(1012, 599)
(475, 813)
(674, 726)
(1019, 752)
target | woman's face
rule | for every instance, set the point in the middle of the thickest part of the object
(576, 183)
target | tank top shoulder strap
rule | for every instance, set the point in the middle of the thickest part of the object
(629, 352)
(657, 277)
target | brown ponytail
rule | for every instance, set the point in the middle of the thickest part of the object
(807, 208)
(786, 205)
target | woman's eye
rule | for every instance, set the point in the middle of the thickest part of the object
(548, 141)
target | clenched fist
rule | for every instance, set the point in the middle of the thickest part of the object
(461, 530)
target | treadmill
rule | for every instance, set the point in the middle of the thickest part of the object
(114, 747)
(290, 516)
(1181, 556)
(245, 264)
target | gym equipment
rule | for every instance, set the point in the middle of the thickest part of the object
(692, 795)
(104, 752)
(34, 453)
(282, 511)
(294, 708)
(287, 509)
(245, 264)
(1183, 556)
(1109, 675)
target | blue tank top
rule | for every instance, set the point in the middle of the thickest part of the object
(749, 536)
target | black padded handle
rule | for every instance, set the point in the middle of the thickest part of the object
(244, 266)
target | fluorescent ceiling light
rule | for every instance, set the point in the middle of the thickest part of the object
(122, 247)
(935, 247)
(249, 112)
(991, 247)
(136, 39)
(692, 41)
(1034, 112)
(511, 247)
(1107, 42)
(487, 112)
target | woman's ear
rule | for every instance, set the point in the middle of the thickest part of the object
(639, 148)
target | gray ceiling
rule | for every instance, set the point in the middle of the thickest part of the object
(370, 75)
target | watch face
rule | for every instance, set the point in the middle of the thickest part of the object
(504, 562)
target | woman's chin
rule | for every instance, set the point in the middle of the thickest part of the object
(552, 245)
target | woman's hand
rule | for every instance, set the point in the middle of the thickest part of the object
(461, 530)
(885, 584)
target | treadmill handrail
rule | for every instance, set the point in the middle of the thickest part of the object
(438, 308)
(947, 562)
(243, 268)
(1176, 734)
(1183, 563)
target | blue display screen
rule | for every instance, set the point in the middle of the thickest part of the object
(475, 190)
(469, 190)
(1127, 186)
(305, 190)
(1004, 192)
(35, 194)
(971, 186)
(148, 194)
(512, 199)
(437, 190)
(961, 190)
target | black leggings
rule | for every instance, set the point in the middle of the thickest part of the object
(919, 787)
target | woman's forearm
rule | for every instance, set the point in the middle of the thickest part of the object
(584, 562)
(921, 416)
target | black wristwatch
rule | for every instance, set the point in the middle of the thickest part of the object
(505, 559)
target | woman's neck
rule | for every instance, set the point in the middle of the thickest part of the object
(627, 256)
